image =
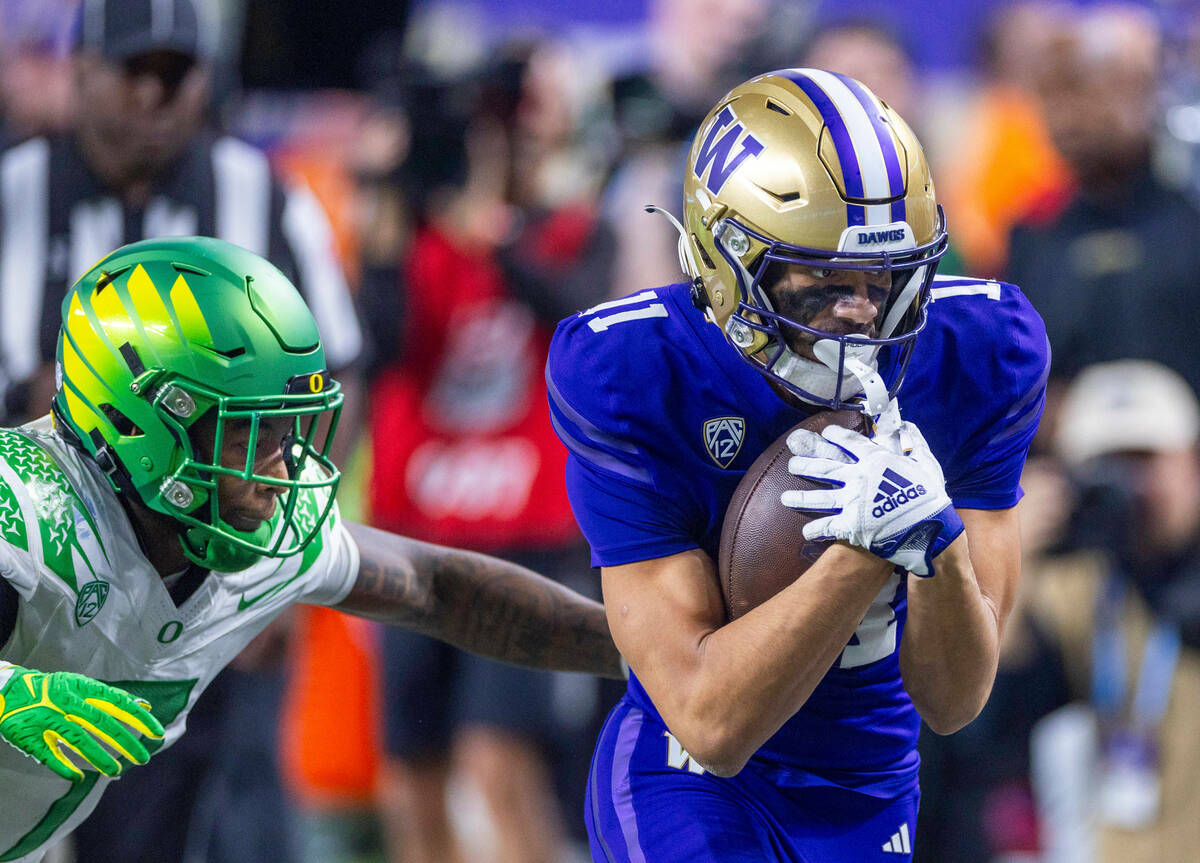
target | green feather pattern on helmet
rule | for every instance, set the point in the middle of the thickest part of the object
(163, 332)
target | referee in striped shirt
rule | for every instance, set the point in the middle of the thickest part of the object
(140, 163)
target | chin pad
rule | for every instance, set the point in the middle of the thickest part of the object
(212, 551)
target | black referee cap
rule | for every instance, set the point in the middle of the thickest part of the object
(120, 29)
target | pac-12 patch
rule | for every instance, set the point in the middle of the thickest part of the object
(723, 438)
(90, 600)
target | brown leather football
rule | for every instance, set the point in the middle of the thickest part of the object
(762, 547)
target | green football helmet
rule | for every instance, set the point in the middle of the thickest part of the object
(164, 333)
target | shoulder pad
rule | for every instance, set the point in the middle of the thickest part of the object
(40, 510)
(597, 360)
(992, 319)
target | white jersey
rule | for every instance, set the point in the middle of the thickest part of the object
(90, 602)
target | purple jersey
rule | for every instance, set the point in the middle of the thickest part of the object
(662, 419)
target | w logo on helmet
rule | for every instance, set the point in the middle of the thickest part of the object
(717, 150)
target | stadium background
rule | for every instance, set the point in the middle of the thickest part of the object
(371, 105)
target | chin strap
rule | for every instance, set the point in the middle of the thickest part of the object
(875, 391)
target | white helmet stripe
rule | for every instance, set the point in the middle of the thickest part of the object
(866, 145)
(878, 214)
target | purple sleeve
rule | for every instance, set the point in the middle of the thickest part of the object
(624, 522)
(994, 483)
(1010, 369)
(597, 390)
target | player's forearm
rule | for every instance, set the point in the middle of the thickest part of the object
(752, 674)
(479, 603)
(950, 649)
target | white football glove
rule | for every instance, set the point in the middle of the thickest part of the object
(893, 504)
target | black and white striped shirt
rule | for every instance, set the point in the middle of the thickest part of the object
(57, 220)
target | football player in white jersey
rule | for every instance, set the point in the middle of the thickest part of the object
(180, 496)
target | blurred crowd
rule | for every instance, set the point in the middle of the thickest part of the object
(445, 181)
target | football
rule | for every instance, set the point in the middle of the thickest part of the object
(762, 547)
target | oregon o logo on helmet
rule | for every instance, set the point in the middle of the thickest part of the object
(316, 382)
(898, 498)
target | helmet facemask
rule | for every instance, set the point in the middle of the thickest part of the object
(845, 365)
(190, 492)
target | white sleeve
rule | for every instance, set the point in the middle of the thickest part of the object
(321, 280)
(17, 570)
(336, 568)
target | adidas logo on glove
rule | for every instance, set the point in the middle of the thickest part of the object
(894, 491)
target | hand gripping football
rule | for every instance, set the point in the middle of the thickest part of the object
(762, 547)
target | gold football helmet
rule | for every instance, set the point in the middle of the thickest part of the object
(802, 166)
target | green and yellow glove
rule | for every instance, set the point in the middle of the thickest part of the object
(45, 714)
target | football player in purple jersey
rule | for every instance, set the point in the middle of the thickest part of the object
(811, 236)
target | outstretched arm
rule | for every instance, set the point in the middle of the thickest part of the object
(479, 603)
(951, 644)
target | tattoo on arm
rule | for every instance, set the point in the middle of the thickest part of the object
(479, 603)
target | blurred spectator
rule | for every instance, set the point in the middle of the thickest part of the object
(331, 734)
(694, 48)
(412, 147)
(35, 79)
(307, 44)
(975, 789)
(1115, 274)
(505, 242)
(1116, 772)
(1178, 150)
(140, 163)
(1002, 167)
(1107, 624)
(943, 33)
(872, 53)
